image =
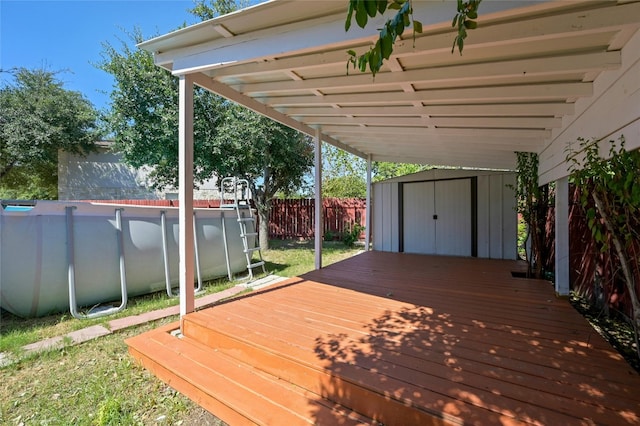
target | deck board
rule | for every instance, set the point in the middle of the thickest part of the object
(411, 339)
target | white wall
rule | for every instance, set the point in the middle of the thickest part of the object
(613, 110)
(102, 175)
(496, 215)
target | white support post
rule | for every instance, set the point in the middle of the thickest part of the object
(367, 219)
(562, 237)
(185, 195)
(318, 234)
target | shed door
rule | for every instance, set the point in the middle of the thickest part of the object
(437, 217)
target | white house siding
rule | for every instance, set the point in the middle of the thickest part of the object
(496, 218)
(612, 111)
(102, 175)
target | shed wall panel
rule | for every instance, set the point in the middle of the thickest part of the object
(496, 219)
(453, 211)
(484, 243)
(509, 218)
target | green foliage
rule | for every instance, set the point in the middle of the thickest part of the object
(343, 174)
(273, 157)
(228, 139)
(384, 170)
(352, 234)
(206, 10)
(616, 182)
(610, 195)
(39, 117)
(350, 186)
(111, 411)
(144, 114)
(464, 20)
(362, 10)
(392, 29)
(533, 204)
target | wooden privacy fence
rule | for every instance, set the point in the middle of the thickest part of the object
(290, 218)
(295, 218)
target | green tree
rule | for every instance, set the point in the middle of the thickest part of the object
(228, 140)
(272, 157)
(343, 174)
(610, 196)
(385, 170)
(533, 203)
(206, 10)
(39, 117)
(349, 186)
(144, 114)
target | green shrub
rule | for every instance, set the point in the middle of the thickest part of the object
(352, 235)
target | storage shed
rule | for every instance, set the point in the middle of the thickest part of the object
(447, 212)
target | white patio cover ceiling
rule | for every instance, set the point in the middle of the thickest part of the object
(517, 80)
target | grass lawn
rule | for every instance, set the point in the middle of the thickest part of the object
(97, 382)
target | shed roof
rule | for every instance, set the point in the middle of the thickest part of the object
(517, 80)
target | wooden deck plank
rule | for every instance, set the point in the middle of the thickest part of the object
(295, 367)
(411, 339)
(253, 394)
(379, 376)
(342, 347)
(413, 358)
(476, 336)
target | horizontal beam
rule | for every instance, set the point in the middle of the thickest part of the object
(470, 74)
(543, 109)
(516, 93)
(481, 122)
(406, 131)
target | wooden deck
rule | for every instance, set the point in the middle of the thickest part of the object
(397, 339)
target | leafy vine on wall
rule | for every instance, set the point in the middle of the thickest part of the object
(610, 195)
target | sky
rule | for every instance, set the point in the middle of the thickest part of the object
(67, 36)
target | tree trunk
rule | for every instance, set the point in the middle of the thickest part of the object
(624, 264)
(263, 232)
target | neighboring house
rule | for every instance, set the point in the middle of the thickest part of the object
(102, 175)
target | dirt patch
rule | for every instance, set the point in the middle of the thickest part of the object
(618, 332)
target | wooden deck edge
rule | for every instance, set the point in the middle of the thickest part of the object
(368, 400)
(212, 405)
(185, 374)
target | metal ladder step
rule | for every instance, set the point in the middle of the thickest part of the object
(239, 190)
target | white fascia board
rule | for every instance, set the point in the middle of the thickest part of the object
(266, 44)
(307, 34)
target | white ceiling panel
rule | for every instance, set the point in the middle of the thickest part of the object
(518, 78)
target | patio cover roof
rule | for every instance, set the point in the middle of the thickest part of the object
(516, 83)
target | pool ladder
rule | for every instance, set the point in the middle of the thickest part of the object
(234, 194)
